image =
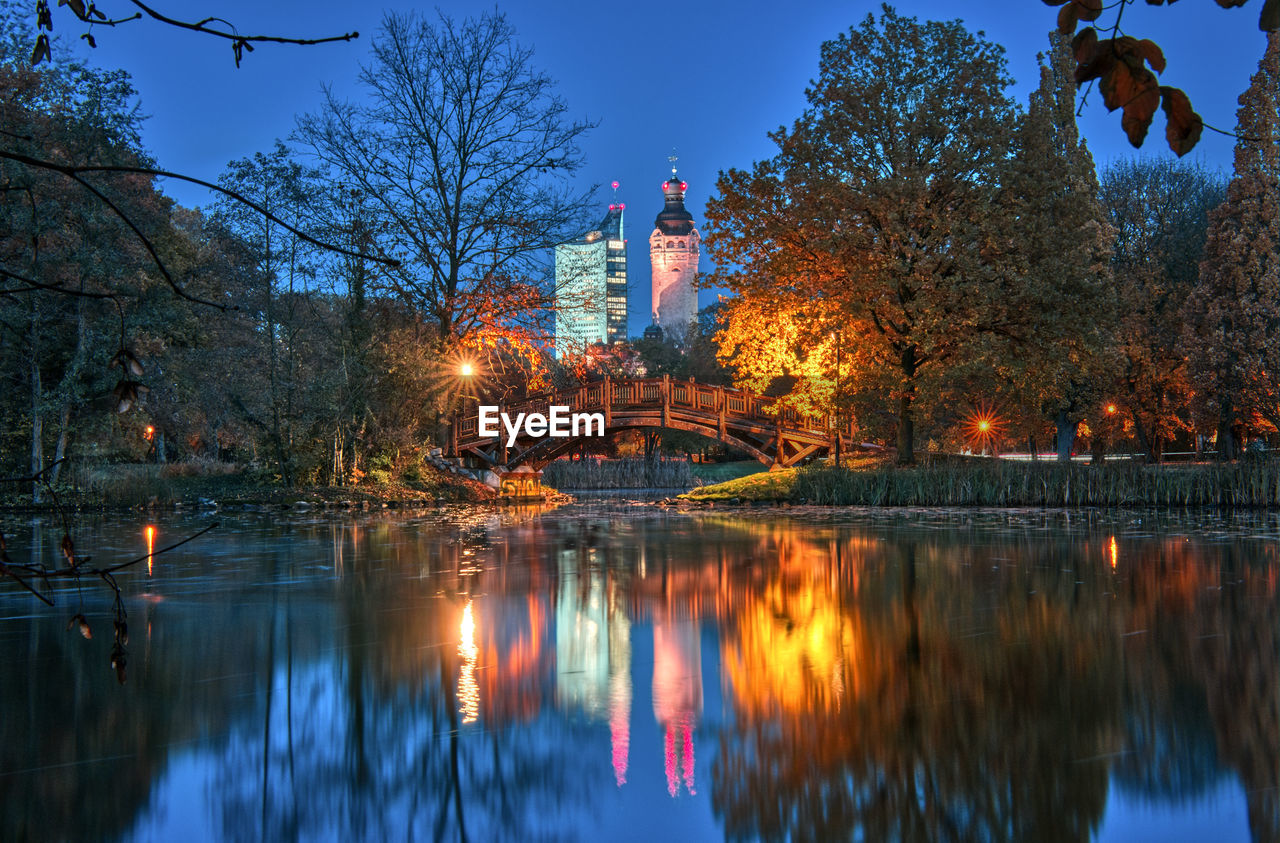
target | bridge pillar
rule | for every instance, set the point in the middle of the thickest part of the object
(666, 400)
(606, 395)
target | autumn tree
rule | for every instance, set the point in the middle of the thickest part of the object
(1233, 314)
(69, 262)
(872, 217)
(464, 152)
(1159, 211)
(1055, 251)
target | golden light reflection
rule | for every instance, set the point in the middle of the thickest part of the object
(1114, 553)
(794, 649)
(150, 533)
(468, 690)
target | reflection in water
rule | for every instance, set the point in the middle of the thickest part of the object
(150, 533)
(1009, 676)
(468, 690)
(677, 695)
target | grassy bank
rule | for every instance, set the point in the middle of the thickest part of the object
(980, 482)
(595, 473)
(127, 486)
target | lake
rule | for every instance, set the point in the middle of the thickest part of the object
(622, 671)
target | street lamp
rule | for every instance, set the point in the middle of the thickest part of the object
(466, 370)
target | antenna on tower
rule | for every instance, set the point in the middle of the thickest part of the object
(673, 158)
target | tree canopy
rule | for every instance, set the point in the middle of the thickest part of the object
(871, 222)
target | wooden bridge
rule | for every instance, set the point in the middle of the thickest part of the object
(739, 419)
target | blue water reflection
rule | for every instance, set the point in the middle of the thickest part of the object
(630, 673)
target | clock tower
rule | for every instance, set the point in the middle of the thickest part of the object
(673, 258)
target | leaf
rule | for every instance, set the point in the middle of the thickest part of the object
(87, 37)
(41, 51)
(83, 623)
(127, 361)
(1098, 63)
(1138, 115)
(77, 6)
(1088, 9)
(1269, 20)
(1151, 52)
(1184, 125)
(126, 394)
(1084, 44)
(68, 547)
(1067, 19)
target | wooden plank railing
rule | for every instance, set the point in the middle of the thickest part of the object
(710, 404)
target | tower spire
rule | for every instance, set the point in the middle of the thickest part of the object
(673, 158)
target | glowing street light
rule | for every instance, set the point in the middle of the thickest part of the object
(1111, 409)
(466, 370)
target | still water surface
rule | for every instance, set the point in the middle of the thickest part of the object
(623, 672)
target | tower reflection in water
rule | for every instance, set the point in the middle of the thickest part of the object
(677, 695)
(593, 654)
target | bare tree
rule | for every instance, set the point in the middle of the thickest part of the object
(465, 151)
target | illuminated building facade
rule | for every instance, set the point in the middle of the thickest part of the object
(591, 286)
(673, 257)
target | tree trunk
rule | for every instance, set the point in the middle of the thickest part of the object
(1099, 449)
(37, 408)
(1066, 430)
(1226, 440)
(60, 452)
(906, 432)
(906, 424)
(1031, 447)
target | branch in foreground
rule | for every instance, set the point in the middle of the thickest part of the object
(91, 15)
(72, 171)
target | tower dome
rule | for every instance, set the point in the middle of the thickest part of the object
(674, 218)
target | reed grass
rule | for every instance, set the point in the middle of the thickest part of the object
(1253, 483)
(638, 473)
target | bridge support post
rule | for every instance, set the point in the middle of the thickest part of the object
(606, 395)
(454, 423)
(778, 444)
(666, 400)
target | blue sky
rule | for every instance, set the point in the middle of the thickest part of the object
(706, 79)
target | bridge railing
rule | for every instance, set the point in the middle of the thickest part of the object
(657, 393)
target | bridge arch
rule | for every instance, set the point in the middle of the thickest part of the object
(738, 418)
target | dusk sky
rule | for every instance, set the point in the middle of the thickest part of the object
(705, 79)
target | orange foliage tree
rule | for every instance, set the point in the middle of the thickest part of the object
(868, 222)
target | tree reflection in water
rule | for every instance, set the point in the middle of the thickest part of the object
(944, 691)
(480, 677)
